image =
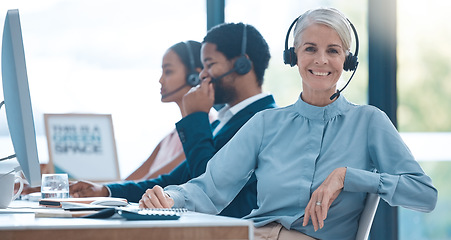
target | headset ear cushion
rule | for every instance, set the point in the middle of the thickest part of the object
(350, 63)
(193, 79)
(289, 57)
(242, 65)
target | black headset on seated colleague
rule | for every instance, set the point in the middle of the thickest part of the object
(192, 78)
(241, 66)
(350, 64)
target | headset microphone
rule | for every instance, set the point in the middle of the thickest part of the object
(174, 91)
(213, 80)
(337, 94)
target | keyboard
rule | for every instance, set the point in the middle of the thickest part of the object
(151, 214)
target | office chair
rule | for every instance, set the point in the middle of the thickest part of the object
(366, 219)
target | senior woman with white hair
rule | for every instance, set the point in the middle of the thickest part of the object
(316, 160)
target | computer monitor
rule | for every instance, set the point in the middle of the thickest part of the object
(17, 101)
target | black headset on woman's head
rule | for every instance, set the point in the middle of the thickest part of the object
(350, 64)
(192, 78)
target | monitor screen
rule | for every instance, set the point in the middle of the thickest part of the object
(16, 93)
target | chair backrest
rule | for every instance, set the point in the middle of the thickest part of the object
(366, 219)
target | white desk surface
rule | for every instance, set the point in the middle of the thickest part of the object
(12, 219)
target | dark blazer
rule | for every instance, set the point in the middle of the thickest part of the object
(195, 133)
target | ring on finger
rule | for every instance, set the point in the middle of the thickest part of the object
(318, 203)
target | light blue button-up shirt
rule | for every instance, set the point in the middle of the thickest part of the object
(293, 149)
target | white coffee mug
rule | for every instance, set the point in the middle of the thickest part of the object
(7, 188)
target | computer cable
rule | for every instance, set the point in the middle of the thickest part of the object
(9, 157)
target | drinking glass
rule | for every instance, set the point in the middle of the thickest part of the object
(55, 186)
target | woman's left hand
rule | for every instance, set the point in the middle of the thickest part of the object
(323, 197)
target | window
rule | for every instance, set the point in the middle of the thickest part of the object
(104, 57)
(424, 95)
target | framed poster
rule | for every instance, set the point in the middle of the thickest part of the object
(83, 146)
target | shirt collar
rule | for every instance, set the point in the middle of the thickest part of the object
(240, 106)
(326, 113)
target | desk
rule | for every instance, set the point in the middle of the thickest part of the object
(24, 226)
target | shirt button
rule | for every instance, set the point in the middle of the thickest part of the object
(182, 136)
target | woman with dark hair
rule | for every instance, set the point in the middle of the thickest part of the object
(180, 69)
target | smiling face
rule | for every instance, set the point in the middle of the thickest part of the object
(320, 61)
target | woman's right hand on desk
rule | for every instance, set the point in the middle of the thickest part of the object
(156, 198)
(87, 189)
